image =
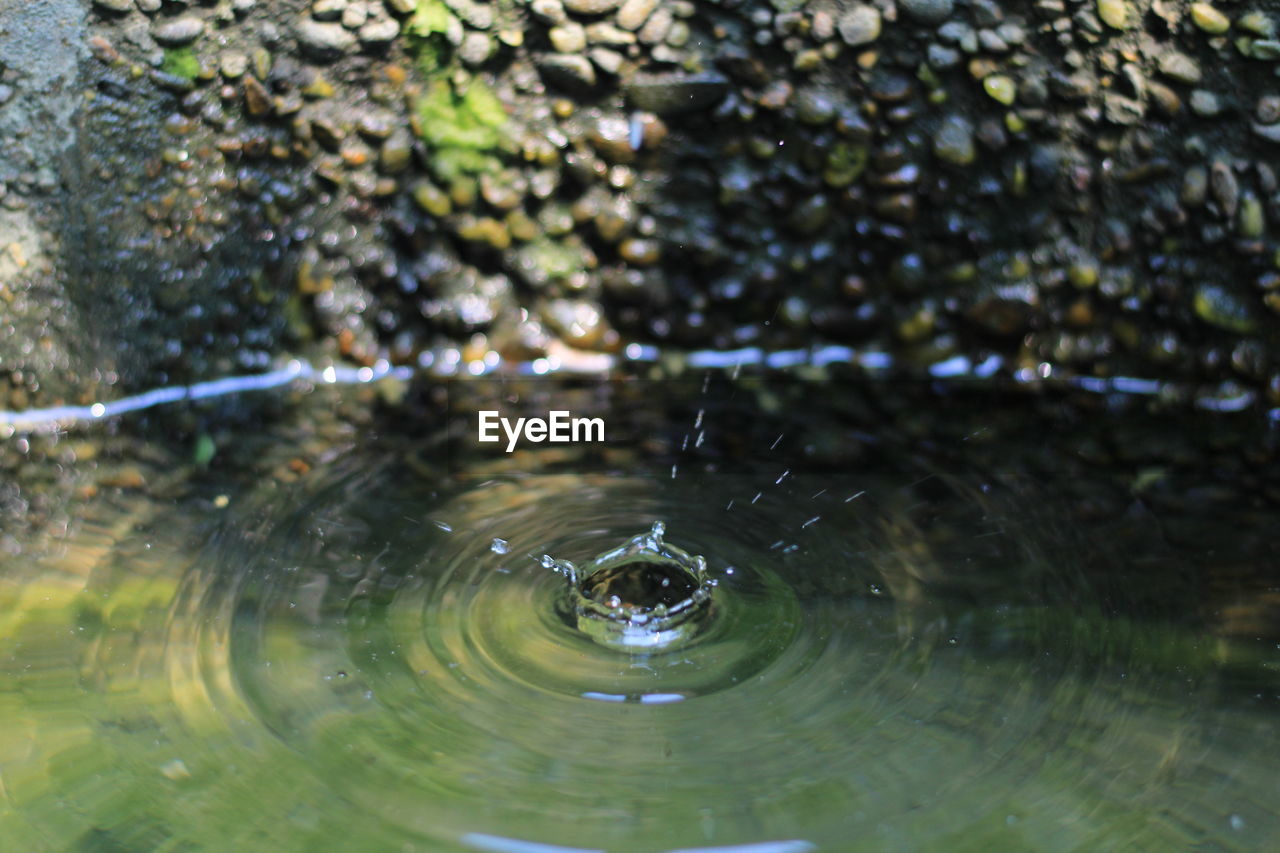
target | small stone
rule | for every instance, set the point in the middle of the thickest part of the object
(1180, 67)
(1257, 23)
(1209, 19)
(859, 25)
(591, 7)
(569, 71)
(257, 99)
(397, 152)
(941, 57)
(324, 42)
(115, 5)
(1219, 307)
(1252, 222)
(179, 31)
(148, 7)
(432, 199)
(328, 10)
(603, 32)
(549, 11)
(1205, 103)
(608, 61)
(1267, 50)
(379, 32)
(1267, 109)
(354, 16)
(569, 37)
(633, 13)
(670, 94)
(1114, 13)
(1000, 88)
(233, 64)
(476, 48)
(1224, 187)
(814, 107)
(928, 11)
(401, 7)
(656, 28)
(953, 143)
(1195, 186)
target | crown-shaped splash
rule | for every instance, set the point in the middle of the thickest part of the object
(642, 594)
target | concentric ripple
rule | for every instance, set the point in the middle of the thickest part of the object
(909, 662)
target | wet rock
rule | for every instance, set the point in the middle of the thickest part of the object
(674, 93)
(149, 6)
(114, 5)
(928, 11)
(633, 13)
(569, 37)
(328, 10)
(953, 143)
(1209, 19)
(179, 31)
(549, 11)
(859, 25)
(476, 48)
(655, 29)
(1115, 13)
(323, 42)
(814, 107)
(400, 7)
(1267, 109)
(1205, 103)
(257, 100)
(1224, 187)
(1180, 67)
(1000, 88)
(568, 71)
(591, 7)
(379, 32)
(1219, 307)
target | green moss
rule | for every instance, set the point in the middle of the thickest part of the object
(181, 62)
(464, 129)
(426, 29)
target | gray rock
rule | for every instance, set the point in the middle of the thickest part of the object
(941, 56)
(1205, 103)
(323, 42)
(928, 11)
(591, 7)
(379, 32)
(671, 94)
(179, 31)
(548, 11)
(859, 25)
(328, 10)
(401, 7)
(1180, 67)
(476, 48)
(634, 13)
(570, 37)
(148, 6)
(568, 71)
(114, 5)
(953, 143)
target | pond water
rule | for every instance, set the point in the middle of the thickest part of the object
(358, 638)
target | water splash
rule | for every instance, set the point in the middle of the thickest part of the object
(644, 594)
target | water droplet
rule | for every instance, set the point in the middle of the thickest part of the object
(499, 546)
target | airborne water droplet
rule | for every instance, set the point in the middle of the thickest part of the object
(499, 546)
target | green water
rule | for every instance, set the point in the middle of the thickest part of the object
(367, 653)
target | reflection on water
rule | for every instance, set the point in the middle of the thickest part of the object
(373, 653)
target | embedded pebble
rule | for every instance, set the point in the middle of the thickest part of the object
(1180, 67)
(591, 7)
(928, 11)
(1114, 13)
(379, 32)
(568, 70)
(1209, 19)
(953, 142)
(476, 48)
(569, 37)
(179, 31)
(549, 11)
(633, 13)
(859, 25)
(1000, 88)
(115, 5)
(328, 10)
(669, 94)
(324, 41)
